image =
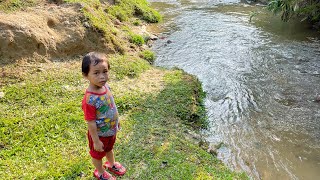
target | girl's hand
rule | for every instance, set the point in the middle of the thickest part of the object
(98, 146)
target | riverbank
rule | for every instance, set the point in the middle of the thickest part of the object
(261, 80)
(41, 122)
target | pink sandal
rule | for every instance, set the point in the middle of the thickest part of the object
(117, 168)
(104, 176)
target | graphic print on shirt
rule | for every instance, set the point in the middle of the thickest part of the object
(106, 113)
(103, 110)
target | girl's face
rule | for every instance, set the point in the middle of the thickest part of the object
(98, 75)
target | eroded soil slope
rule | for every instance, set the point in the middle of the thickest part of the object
(46, 32)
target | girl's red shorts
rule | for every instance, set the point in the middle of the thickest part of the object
(108, 143)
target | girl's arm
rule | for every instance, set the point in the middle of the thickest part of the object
(97, 144)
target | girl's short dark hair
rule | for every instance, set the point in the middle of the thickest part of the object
(95, 58)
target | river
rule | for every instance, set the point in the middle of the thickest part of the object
(261, 78)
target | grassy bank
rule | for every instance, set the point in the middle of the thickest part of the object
(42, 130)
(112, 21)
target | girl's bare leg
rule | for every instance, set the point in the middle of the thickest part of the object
(98, 165)
(110, 157)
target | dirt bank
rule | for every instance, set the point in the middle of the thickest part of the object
(49, 32)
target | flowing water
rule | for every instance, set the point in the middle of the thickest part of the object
(261, 79)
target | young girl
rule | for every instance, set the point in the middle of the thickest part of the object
(101, 115)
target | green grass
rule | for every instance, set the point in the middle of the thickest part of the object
(43, 134)
(123, 65)
(38, 125)
(136, 39)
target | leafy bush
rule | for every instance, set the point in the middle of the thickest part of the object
(308, 10)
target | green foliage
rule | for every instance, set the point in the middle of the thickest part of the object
(311, 12)
(289, 8)
(148, 56)
(136, 39)
(285, 7)
(128, 100)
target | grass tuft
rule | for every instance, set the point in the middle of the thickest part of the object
(136, 39)
(148, 56)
